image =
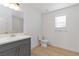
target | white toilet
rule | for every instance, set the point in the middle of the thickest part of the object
(44, 43)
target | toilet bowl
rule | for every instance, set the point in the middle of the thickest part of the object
(44, 43)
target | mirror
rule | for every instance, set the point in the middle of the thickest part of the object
(11, 21)
(17, 24)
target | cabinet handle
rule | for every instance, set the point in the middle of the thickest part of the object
(18, 51)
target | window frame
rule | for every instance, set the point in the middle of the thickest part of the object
(62, 27)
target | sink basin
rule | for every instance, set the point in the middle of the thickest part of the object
(12, 35)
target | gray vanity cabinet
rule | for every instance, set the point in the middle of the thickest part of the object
(18, 48)
(24, 49)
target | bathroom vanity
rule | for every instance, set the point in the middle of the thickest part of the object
(15, 46)
(13, 41)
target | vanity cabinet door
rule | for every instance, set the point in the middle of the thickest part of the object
(9, 52)
(25, 49)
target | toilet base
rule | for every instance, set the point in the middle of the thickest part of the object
(44, 45)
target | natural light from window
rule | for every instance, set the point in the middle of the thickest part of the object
(60, 22)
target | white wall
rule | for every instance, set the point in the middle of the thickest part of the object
(32, 24)
(70, 38)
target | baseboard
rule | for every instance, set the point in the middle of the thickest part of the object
(49, 44)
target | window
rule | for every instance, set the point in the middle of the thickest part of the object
(60, 22)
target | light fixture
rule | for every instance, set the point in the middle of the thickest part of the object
(14, 6)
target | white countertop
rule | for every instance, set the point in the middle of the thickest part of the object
(7, 38)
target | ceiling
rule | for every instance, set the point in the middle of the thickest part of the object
(47, 7)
